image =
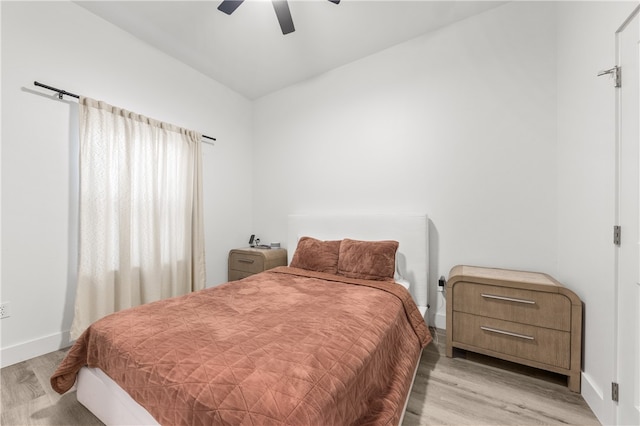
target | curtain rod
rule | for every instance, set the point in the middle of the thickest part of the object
(64, 92)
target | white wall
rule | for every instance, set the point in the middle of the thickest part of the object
(459, 124)
(586, 137)
(61, 44)
(495, 126)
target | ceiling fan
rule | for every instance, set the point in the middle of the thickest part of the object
(281, 7)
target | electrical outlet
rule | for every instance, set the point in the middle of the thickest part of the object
(4, 310)
(442, 282)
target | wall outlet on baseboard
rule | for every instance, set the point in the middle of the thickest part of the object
(4, 310)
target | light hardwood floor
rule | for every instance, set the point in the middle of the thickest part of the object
(471, 389)
(468, 389)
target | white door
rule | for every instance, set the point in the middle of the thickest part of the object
(628, 197)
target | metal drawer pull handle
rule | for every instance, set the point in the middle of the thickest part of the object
(246, 260)
(509, 299)
(508, 333)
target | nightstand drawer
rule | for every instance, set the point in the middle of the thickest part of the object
(249, 261)
(551, 347)
(246, 262)
(550, 310)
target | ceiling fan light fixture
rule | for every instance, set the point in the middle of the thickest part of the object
(284, 16)
(281, 7)
(229, 6)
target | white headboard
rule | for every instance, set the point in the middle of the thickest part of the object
(411, 231)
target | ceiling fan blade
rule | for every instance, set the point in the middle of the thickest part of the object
(229, 6)
(284, 16)
(335, 1)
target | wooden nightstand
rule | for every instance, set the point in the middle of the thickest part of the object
(523, 317)
(249, 261)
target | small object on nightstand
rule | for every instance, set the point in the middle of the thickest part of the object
(523, 317)
(248, 261)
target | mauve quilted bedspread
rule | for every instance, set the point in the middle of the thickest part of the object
(284, 347)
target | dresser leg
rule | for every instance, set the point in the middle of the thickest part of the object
(573, 382)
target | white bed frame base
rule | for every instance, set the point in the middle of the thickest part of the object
(113, 405)
(108, 401)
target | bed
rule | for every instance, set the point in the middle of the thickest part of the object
(330, 339)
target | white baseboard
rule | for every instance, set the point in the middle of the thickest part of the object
(440, 320)
(594, 396)
(33, 348)
(437, 320)
(438, 312)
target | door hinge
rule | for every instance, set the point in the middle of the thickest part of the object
(614, 391)
(616, 72)
(617, 232)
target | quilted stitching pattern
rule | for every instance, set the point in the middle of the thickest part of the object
(275, 348)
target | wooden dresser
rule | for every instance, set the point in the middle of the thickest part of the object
(523, 317)
(248, 261)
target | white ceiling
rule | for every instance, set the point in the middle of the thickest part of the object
(247, 52)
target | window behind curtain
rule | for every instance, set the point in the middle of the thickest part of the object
(141, 234)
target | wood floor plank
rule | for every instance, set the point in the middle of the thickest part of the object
(50, 410)
(19, 384)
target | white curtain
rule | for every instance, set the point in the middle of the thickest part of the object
(141, 224)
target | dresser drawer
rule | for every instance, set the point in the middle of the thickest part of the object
(550, 310)
(246, 262)
(519, 316)
(551, 347)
